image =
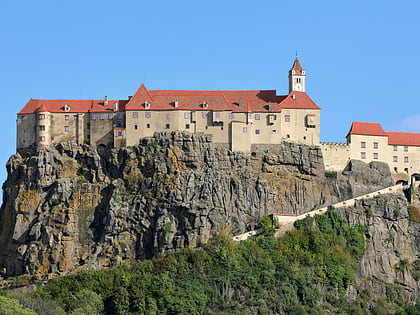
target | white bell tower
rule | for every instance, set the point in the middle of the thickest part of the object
(297, 78)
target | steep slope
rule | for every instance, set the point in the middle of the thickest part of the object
(71, 206)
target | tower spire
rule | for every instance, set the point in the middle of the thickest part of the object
(297, 77)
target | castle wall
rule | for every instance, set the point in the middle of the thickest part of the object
(301, 125)
(26, 130)
(336, 155)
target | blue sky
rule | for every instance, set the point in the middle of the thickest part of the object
(361, 57)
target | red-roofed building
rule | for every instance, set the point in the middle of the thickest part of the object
(237, 119)
(369, 142)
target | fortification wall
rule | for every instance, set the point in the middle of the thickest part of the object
(336, 155)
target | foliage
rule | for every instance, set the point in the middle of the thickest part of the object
(262, 275)
(9, 306)
(414, 213)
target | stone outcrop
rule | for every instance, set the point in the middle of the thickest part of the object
(70, 207)
(392, 255)
(359, 178)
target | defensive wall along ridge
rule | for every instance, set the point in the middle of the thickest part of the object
(286, 220)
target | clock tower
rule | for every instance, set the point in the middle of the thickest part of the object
(297, 78)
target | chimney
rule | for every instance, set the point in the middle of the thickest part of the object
(129, 97)
(116, 107)
(106, 100)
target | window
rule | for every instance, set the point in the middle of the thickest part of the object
(249, 116)
(257, 116)
(135, 114)
(167, 126)
(75, 117)
(287, 118)
(110, 116)
(363, 155)
(375, 156)
(375, 145)
(257, 131)
(147, 125)
(41, 128)
(52, 138)
(395, 148)
(244, 129)
(120, 133)
(41, 116)
(148, 114)
(187, 126)
(66, 117)
(41, 139)
(274, 131)
(168, 116)
(22, 118)
(204, 115)
(395, 158)
(231, 115)
(136, 127)
(119, 115)
(187, 115)
(405, 148)
(66, 128)
(405, 159)
(217, 115)
(102, 116)
(363, 145)
(93, 117)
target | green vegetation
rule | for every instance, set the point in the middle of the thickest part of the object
(307, 271)
(331, 174)
(413, 213)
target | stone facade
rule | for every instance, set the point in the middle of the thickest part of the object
(369, 142)
(237, 119)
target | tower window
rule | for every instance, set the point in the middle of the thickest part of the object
(187, 126)
(147, 125)
(363, 155)
(375, 156)
(167, 126)
(287, 118)
(375, 145)
(363, 144)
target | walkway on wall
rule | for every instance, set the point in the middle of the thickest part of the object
(287, 220)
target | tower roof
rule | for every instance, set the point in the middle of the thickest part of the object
(297, 67)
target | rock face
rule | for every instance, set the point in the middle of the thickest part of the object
(359, 178)
(392, 253)
(70, 207)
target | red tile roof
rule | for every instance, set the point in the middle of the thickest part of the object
(394, 138)
(76, 106)
(365, 128)
(236, 101)
(403, 138)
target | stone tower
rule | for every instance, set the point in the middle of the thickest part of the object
(297, 78)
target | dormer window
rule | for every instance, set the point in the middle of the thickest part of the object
(205, 105)
(176, 103)
(66, 108)
(303, 72)
(293, 72)
(146, 105)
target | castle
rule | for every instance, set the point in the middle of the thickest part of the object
(239, 120)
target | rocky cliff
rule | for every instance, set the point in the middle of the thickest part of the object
(392, 255)
(71, 207)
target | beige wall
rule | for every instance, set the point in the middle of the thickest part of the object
(26, 131)
(296, 128)
(336, 155)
